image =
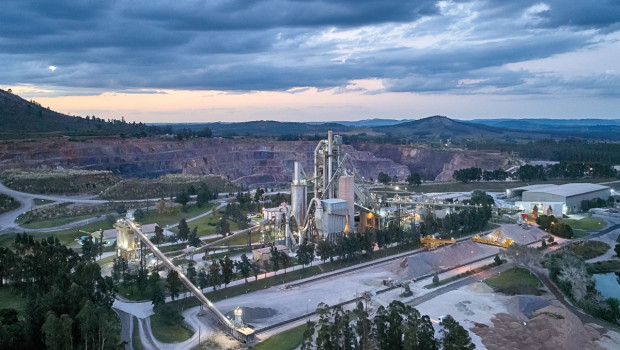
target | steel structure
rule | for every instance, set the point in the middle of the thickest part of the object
(240, 332)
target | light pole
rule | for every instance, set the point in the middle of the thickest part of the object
(308, 304)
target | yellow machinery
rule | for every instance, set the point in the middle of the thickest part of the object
(432, 243)
(495, 238)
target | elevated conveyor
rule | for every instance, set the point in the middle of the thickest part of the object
(242, 333)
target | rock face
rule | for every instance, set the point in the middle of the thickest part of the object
(250, 162)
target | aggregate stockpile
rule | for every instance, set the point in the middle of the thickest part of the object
(462, 253)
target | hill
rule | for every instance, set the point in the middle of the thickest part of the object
(269, 128)
(23, 119)
(442, 127)
(600, 129)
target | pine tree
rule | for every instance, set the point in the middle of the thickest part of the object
(183, 230)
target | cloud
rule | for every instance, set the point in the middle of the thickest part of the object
(461, 47)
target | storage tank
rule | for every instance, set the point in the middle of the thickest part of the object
(298, 195)
(346, 191)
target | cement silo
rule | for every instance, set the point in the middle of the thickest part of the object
(346, 191)
(299, 195)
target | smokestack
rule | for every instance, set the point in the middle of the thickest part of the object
(330, 154)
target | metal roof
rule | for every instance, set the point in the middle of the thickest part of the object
(568, 190)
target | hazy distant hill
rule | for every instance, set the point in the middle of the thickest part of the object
(268, 128)
(20, 118)
(365, 123)
(588, 128)
(444, 127)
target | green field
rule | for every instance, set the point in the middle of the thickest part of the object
(168, 332)
(55, 222)
(288, 340)
(589, 249)
(40, 201)
(152, 216)
(514, 277)
(9, 300)
(586, 224)
(604, 266)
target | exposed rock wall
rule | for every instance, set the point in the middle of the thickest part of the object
(245, 161)
(435, 164)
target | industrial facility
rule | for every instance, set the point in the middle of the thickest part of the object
(557, 199)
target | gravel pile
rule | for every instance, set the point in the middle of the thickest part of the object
(522, 236)
(447, 257)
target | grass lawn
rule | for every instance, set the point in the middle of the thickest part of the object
(514, 277)
(136, 343)
(12, 301)
(66, 237)
(167, 332)
(589, 249)
(605, 266)
(152, 216)
(287, 340)
(586, 224)
(106, 260)
(580, 233)
(56, 222)
(40, 201)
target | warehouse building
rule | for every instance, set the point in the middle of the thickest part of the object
(570, 195)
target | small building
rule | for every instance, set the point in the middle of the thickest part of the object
(264, 254)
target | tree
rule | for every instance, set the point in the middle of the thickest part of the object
(303, 253)
(435, 279)
(159, 235)
(617, 249)
(139, 214)
(193, 239)
(285, 259)
(203, 281)
(244, 265)
(222, 227)
(455, 337)
(182, 198)
(174, 284)
(89, 249)
(204, 195)
(214, 274)
(274, 258)
(523, 255)
(326, 249)
(183, 230)
(306, 343)
(498, 261)
(562, 230)
(481, 198)
(384, 178)
(414, 179)
(121, 208)
(192, 275)
(255, 270)
(57, 331)
(228, 270)
(157, 292)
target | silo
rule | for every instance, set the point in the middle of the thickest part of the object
(298, 195)
(346, 191)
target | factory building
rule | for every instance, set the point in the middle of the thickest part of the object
(569, 195)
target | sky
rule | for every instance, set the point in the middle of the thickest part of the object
(314, 60)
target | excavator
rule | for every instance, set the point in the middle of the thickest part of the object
(430, 242)
(495, 238)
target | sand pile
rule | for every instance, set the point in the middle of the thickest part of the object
(446, 257)
(551, 328)
(522, 236)
(480, 287)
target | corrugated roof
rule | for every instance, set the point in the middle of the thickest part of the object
(573, 189)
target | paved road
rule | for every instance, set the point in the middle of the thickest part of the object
(126, 327)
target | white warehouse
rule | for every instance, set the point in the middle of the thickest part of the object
(570, 194)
